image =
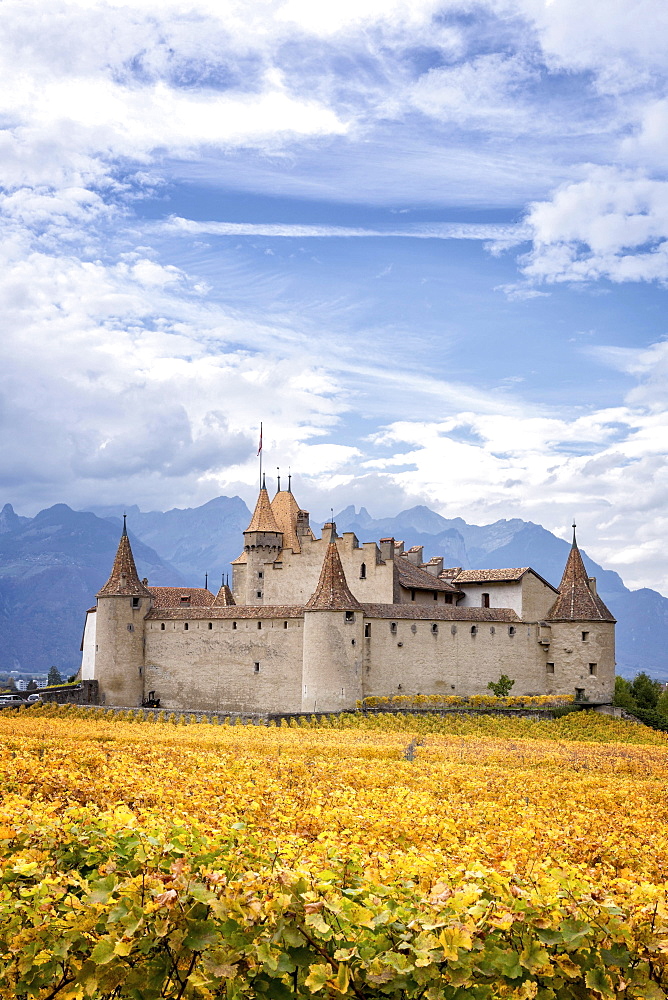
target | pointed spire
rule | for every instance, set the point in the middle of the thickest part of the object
(206, 581)
(124, 580)
(125, 524)
(332, 592)
(224, 598)
(576, 600)
(263, 518)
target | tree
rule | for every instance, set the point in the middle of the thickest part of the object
(32, 685)
(54, 676)
(645, 691)
(623, 696)
(662, 703)
(502, 687)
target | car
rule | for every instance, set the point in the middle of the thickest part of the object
(10, 699)
(33, 698)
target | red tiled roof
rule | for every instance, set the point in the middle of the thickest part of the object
(212, 613)
(263, 517)
(444, 612)
(414, 578)
(332, 592)
(491, 575)
(172, 597)
(224, 598)
(124, 581)
(576, 602)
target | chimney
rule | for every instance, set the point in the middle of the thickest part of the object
(434, 566)
(415, 555)
(303, 526)
(592, 584)
(386, 549)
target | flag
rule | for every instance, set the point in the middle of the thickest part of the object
(259, 447)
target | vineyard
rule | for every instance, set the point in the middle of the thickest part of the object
(422, 857)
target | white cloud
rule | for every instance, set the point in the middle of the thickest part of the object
(611, 225)
(503, 234)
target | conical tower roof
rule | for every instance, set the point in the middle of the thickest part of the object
(224, 598)
(263, 518)
(285, 508)
(576, 601)
(332, 592)
(124, 580)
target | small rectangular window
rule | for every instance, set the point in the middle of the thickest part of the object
(412, 595)
(260, 574)
(350, 616)
(585, 636)
(185, 626)
(435, 595)
(593, 669)
(259, 593)
(448, 598)
(135, 602)
(234, 624)
(256, 667)
(549, 668)
(485, 601)
(210, 625)
(285, 624)
(259, 624)
(367, 630)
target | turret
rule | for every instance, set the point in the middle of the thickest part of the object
(263, 540)
(122, 605)
(333, 647)
(582, 646)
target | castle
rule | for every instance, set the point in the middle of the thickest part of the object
(317, 624)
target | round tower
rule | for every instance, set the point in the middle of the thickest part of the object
(122, 605)
(333, 646)
(582, 644)
(263, 541)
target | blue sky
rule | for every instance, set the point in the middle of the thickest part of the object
(425, 243)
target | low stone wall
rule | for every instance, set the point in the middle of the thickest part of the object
(83, 693)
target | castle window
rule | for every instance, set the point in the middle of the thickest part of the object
(474, 629)
(448, 598)
(256, 667)
(585, 636)
(285, 624)
(162, 626)
(412, 595)
(434, 629)
(234, 624)
(511, 630)
(435, 595)
(579, 694)
(363, 571)
(260, 574)
(485, 601)
(393, 628)
(136, 603)
(259, 624)
(367, 630)
(350, 616)
(259, 593)
(453, 629)
(593, 670)
(210, 625)
(185, 626)
(549, 667)
(131, 628)
(353, 642)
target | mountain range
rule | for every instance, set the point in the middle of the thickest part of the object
(52, 565)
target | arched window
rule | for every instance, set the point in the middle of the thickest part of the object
(210, 625)
(363, 571)
(185, 626)
(162, 626)
(511, 630)
(474, 629)
(393, 628)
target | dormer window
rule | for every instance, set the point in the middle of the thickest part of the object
(185, 598)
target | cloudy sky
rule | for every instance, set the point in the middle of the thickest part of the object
(426, 243)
